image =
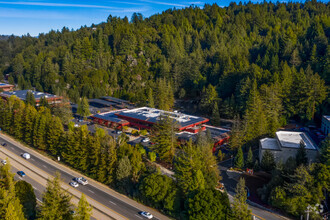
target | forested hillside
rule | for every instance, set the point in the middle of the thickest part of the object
(274, 57)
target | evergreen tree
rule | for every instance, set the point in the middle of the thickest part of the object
(208, 204)
(240, 208)
(151, 103)
(239, 159)
(30, 99)
(164, 138)
(55, 201)
(215, 115)
(301, 157)
(249, 160)
(26, 196)
(268, 161)
(83, 107)
(123, 173)
(84, 210)
(325, 151)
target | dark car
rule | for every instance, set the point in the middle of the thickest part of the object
(4, 144)
(21, 173)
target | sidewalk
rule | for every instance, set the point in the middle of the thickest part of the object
(101, 186)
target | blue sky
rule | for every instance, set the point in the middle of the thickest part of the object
(20, 17)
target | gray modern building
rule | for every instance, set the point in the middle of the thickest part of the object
(286, 144)
(325, 124)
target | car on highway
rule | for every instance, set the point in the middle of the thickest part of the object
(82, 180)
(147, 215)
(145, 140)
(26, 156)
(74, 184)
(4, 144)
(4, 162)
(21, 173)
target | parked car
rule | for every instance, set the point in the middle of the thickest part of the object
(4, 162)
(147, 215)
(4, 144)
(74, 184)
(82, 181)
(118, 132)
(26, 156)
(145, 140)
(21, 173)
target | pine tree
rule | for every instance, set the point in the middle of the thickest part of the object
(28, 121)
(54, 134)
(215, 115)
(249, 160)
(26, 196)
(55, 201)
(301, 157)
(239, 159)
(123, 173)
(84, 210)
(240, 208)
(268, 161)
(83, 107)
(164, 138)
(151, 103)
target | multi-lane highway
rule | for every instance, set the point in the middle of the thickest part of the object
(118, 204)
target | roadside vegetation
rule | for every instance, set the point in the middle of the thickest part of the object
(18, 201)
(258, 64)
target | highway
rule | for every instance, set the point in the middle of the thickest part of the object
(116, 202)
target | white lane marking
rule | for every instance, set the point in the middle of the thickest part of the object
(91, 191)
(39, 200)
(112, 202)
(34, 188)
(138, 216)
(20, 177)
(32, 159)
(12, 148)
(44, 166)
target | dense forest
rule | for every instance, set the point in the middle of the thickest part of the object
(277, 52)
(259, 64)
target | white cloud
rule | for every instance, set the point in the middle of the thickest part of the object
(165, 3)
(58, 5)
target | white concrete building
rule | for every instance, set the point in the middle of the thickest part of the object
(326, 124)
(286, 144)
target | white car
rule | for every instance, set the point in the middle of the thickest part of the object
(26, 156)
(74, 184)
(82, 181)
(147, 215)
(145, 140)
(4, 162)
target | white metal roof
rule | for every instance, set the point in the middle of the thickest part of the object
(292, 139)
(327, 117)
(270, 144)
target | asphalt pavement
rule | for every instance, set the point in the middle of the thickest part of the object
(114, 203)
(230, 181)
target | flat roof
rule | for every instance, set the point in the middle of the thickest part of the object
(327, 117)
(113, 99)
(5, 84)
(102, 102)
(152, 115)
(110, 116)
(292, 139)
(21, 94)
(270, 144)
